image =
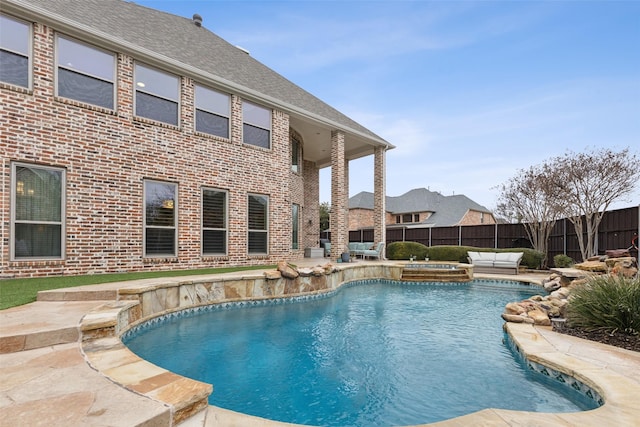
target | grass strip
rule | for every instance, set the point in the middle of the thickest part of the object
(14, 292)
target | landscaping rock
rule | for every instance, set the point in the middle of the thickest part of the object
(287, 271)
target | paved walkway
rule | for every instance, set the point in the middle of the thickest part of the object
(45, 380)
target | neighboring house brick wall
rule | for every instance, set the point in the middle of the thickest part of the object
(476, 217)
(107, 156)
(361, 218)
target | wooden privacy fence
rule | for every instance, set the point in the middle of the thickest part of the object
(617, 230)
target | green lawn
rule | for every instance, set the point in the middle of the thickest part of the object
(15, 292)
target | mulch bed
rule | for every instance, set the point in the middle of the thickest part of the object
(626, 341)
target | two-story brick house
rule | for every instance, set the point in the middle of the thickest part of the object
(133, 139)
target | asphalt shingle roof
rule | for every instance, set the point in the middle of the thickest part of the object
(140, 30)
(447, 210)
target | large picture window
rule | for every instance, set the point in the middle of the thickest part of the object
(256, 125)
(258, 224)
(212, 112)
(37, 215)
(14, 51)
(157, 95)
(160, 218)
(85, 73)
(214, 222)
(295, 226)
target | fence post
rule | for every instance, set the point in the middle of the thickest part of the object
(495, 236)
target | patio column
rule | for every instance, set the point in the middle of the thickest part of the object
(339, 196)
(379, 195)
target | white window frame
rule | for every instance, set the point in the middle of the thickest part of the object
(29, 53)
(160, 227)
(297, 166)
(225, 229)
(13, 220)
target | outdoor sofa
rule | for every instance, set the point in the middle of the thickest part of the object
(495, 262)
(366, 249)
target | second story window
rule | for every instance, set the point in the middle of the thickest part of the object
(212, 112)
(295, 155)
(85, 73)
(157, 95)
(14, 51)
(256, 125)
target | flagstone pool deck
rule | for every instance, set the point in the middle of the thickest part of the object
(46, 380)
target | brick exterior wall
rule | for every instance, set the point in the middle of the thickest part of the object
(107, 156)
(476, 218)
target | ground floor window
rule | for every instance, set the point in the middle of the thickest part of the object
(214, 222)
(258, 224)
(37, 200)
(295, 226)
(160, 218)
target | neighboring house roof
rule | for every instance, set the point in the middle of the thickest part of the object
(447, 210)
(182, 46)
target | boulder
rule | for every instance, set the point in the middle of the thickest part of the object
(597, 266)
(617, 253)
(514, 308)
(514, 318)
(272, 275)
(539, 317)
(287, 270)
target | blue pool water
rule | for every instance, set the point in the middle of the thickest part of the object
(376, 354)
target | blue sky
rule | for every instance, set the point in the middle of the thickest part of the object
(468, 91)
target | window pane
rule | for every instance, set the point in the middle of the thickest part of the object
(83, 88)
(212, 124)
(255, 136)
(214, 209)
(160, 204)
(38, 194)
(214, 242)
(212, 101)
(295, 226)
(38, 240)
(256, 115)
(156, 108)
(14, 35)
(85, 59)
(257, 213)
(156, 82)
(160, 241)
(14, 69)
(257, 242)
(295, 155)
(37, 212)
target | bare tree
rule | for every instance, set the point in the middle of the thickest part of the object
(525, 198)
(585, 184)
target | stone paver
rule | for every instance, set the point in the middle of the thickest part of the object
(45, 379)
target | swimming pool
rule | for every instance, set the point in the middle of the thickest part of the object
(378, 354)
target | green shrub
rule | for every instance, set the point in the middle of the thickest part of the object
(449, 253)
(403, 250)
(562, 261)
(606, 303)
